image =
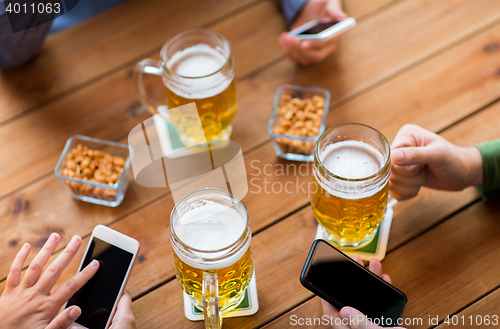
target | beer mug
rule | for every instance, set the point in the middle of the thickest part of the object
(196, 66)
(210, 235)
(351, 170)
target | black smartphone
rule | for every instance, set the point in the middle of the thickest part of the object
(341, 281)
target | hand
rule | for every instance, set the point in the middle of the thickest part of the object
(333, 313)
(124, 316)
(311, 51)
(422, 158)
(357, 320)
(28, 304)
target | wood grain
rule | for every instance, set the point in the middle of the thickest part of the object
(103, 44)
(37, 152)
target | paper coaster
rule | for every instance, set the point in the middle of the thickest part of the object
(375, 249)
(248, 306)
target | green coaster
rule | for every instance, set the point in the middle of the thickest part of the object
(248, 306)
(375, 249)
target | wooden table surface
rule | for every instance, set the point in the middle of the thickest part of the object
(432, 63)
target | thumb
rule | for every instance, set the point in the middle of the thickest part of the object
(355, 319)
(65, 318)
(407, 156)
(333, 10)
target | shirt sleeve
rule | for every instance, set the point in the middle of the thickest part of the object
(291, 9)
(490, 153)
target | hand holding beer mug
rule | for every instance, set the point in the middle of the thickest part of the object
(210, 235)
(351, 169)
(196, 66)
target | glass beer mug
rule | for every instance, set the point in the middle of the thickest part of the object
(196, 66)
(210, 235)
(351, 170)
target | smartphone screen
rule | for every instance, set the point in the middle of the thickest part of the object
(344, 283)
(320, 27)
(97, 297)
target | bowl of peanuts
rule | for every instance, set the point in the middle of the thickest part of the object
(94, 170)
(297, 121)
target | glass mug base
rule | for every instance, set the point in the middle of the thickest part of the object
(233, 303)
(214, 140)
(345, 244)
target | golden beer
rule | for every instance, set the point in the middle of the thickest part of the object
(351, 171)
(210, 235)
(233, 280)
(203, 82)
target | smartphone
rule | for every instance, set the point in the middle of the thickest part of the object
(341, 281)
(98, 298)
(322, 29)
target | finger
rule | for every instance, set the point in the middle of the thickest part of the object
(403, 192)
(53, 272)
(124, 313)
(358, 260)
(415, 181)
(409, 135)
(70, 287)
(334, 11)
(333, 314)
(407, 171)
(376, 267)
(317, 55)
(387, 278)
(291, 48)
(356, 319)
(14, 276)
(330, 44)
(400, 197)
(35, 269)
(65, 318)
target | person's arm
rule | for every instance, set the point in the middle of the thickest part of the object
(291, 9)
(490, 154)
(422, 158)
(299, 12)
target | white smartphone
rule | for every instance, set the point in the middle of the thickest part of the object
(322, 29)
(98, 298)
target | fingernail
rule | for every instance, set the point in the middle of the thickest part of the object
(54, 236)
(345, 312)
(74, 313)
(26, 245)
(398, 155)
(76, 239)
(94, 263)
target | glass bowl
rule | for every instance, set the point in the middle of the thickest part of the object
(290, 146)
(99, 192)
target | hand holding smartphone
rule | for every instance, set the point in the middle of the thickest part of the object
(99, 297)
(341, 281)
(323, 29)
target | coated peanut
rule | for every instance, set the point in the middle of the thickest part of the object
(299, 117)
(94, 166)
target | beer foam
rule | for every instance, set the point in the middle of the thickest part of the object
(210, 226)
(197, 61)
(352, 159)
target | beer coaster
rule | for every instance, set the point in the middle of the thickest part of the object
(170, 143)
(375, 249)
(248, 306)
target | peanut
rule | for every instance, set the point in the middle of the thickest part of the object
(299, 117)
(93, 166)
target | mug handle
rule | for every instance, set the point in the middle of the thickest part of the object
(211, 312)
(147, 66)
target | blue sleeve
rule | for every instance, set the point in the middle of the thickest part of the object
(291, 9)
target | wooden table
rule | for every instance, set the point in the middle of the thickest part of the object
(432, 63)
